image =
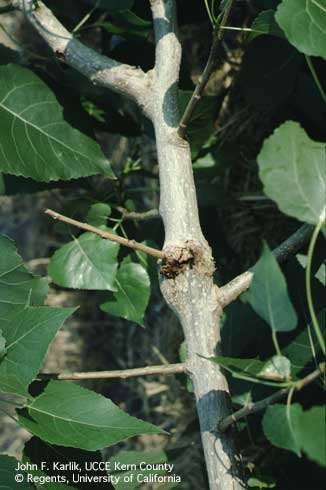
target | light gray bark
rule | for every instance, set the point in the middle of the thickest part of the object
(191, 293)
(101, 70)
(187, 286)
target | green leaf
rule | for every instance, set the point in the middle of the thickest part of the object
(261, 483)
(18, 287)
(280, 423)
(268, 294)
(36, 141)
(247, 366)
(8, 473)
(111, 28)
(304, 23)
(131, 299)
(68, 415)
(148, 262)
(124, 30)
(88, 262)
(62, 460)
(128, 24)
(277, 368)
(131, 18)
(28, 335)
(311, 434)
(98, 214)
(297, 430)
(265, 23)
(205, 162)
(292, 168)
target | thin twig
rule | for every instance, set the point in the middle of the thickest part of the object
(139, 216)
(108, 236)
(262, 404)
(122, 374)
(289, 247)
(198, 92)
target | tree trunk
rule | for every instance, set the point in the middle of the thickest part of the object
(187, 279)
(192, 295)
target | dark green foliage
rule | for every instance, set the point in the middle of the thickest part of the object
(68, 415)
(132, 295)
(28, 335)
(37, 142)
(268, 294)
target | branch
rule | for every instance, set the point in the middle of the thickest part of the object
(143, 216)
(262, 404)
(158, 254)
(178, 200)
(198, 92)
(123, 373)
(99, 69)
(293, 244)
(167, 60)
(283, 252)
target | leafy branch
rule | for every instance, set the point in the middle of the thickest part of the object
(262, 404)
